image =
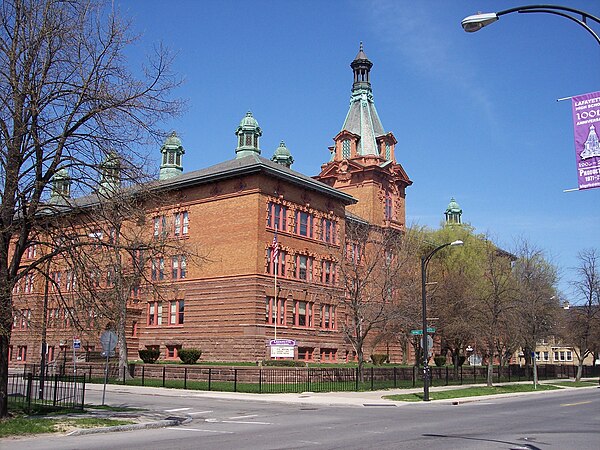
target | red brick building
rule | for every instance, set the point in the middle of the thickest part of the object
(239, 297)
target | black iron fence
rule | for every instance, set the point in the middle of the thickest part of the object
(30, 392)
(317, 379)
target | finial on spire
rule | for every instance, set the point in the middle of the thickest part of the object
(361, 46)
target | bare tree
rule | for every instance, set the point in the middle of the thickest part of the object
(538, 301)
(583, 319)
(373, 274)
(495, 305)
(68, 100)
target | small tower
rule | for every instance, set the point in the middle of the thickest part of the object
(283, 156)
(453, 213)
(172, 152)
(110, 181)
(61, 187)
(248, 133)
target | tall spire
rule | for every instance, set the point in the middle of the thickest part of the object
(248, 133)
(172, 152)
(362, 118)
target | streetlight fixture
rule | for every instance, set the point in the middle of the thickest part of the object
(424, 262)
(477, 21)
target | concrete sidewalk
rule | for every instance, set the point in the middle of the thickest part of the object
(362, 398)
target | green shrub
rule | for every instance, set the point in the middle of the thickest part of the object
(440, 361)
(379, 359)
(189, 355)
(283, 363)
(149, 355)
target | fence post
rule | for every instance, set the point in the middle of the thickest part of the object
(143, 374)
(185, 377)
(209, 377)
(29, 390)
(372, 376)
(124, 375)
(446, 375)
(395, 377)
(55, 389)
(308, 379)
(164, 373)
(414, 378)
(260, 381)
(356, 379)
(235, 380)
(83, 393)
(474, 374)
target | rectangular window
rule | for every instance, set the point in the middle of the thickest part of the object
(178, 267)
(176, 312)
(328, 231)
(29, 283)
(328, 354)
(181, 223)
(22, 353)
(305, 353)
(388, 207)
(279, 265)
(31, 251)
(569, 355)
(160, 226)
(328, 317)
(328, 272)
(354, 252)
(270, 312)
(50, 352)
(155, 313)
(158, 269)
(277, 216)
(303, 314)
(546, 356)
(304, 224)
(173, 351)
(304, 267)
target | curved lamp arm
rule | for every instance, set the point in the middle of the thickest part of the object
(477, 21)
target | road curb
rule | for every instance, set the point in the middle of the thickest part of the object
(134, 426)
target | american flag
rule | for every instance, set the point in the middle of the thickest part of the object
(274, 249)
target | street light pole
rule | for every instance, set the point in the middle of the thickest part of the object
(477, 21)
(424, 262)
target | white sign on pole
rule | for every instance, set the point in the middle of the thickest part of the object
(282, 351)
(429, 345)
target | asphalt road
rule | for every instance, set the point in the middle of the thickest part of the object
(554, 420)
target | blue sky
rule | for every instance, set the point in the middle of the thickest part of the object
(475, 115)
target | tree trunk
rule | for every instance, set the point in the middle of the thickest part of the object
(490, 371)
(579, 369)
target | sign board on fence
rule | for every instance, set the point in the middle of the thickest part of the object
(282, 351)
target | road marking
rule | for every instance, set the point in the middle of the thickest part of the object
(199, 429)
(177, 409)
(243, 417)
(193, 413)
(576, 404)
(248, 422)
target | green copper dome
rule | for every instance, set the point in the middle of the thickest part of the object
(453, 212)
(248, 122)
(248, 134)
(173, 141)
(453, 206)
(282, 155)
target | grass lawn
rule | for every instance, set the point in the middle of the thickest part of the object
(22, 425)
(471, 392)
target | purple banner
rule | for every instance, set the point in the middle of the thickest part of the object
(586, 115)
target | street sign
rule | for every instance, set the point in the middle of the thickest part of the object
(429, 345)
(108, 339)
(76, 344)
(420, 332)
